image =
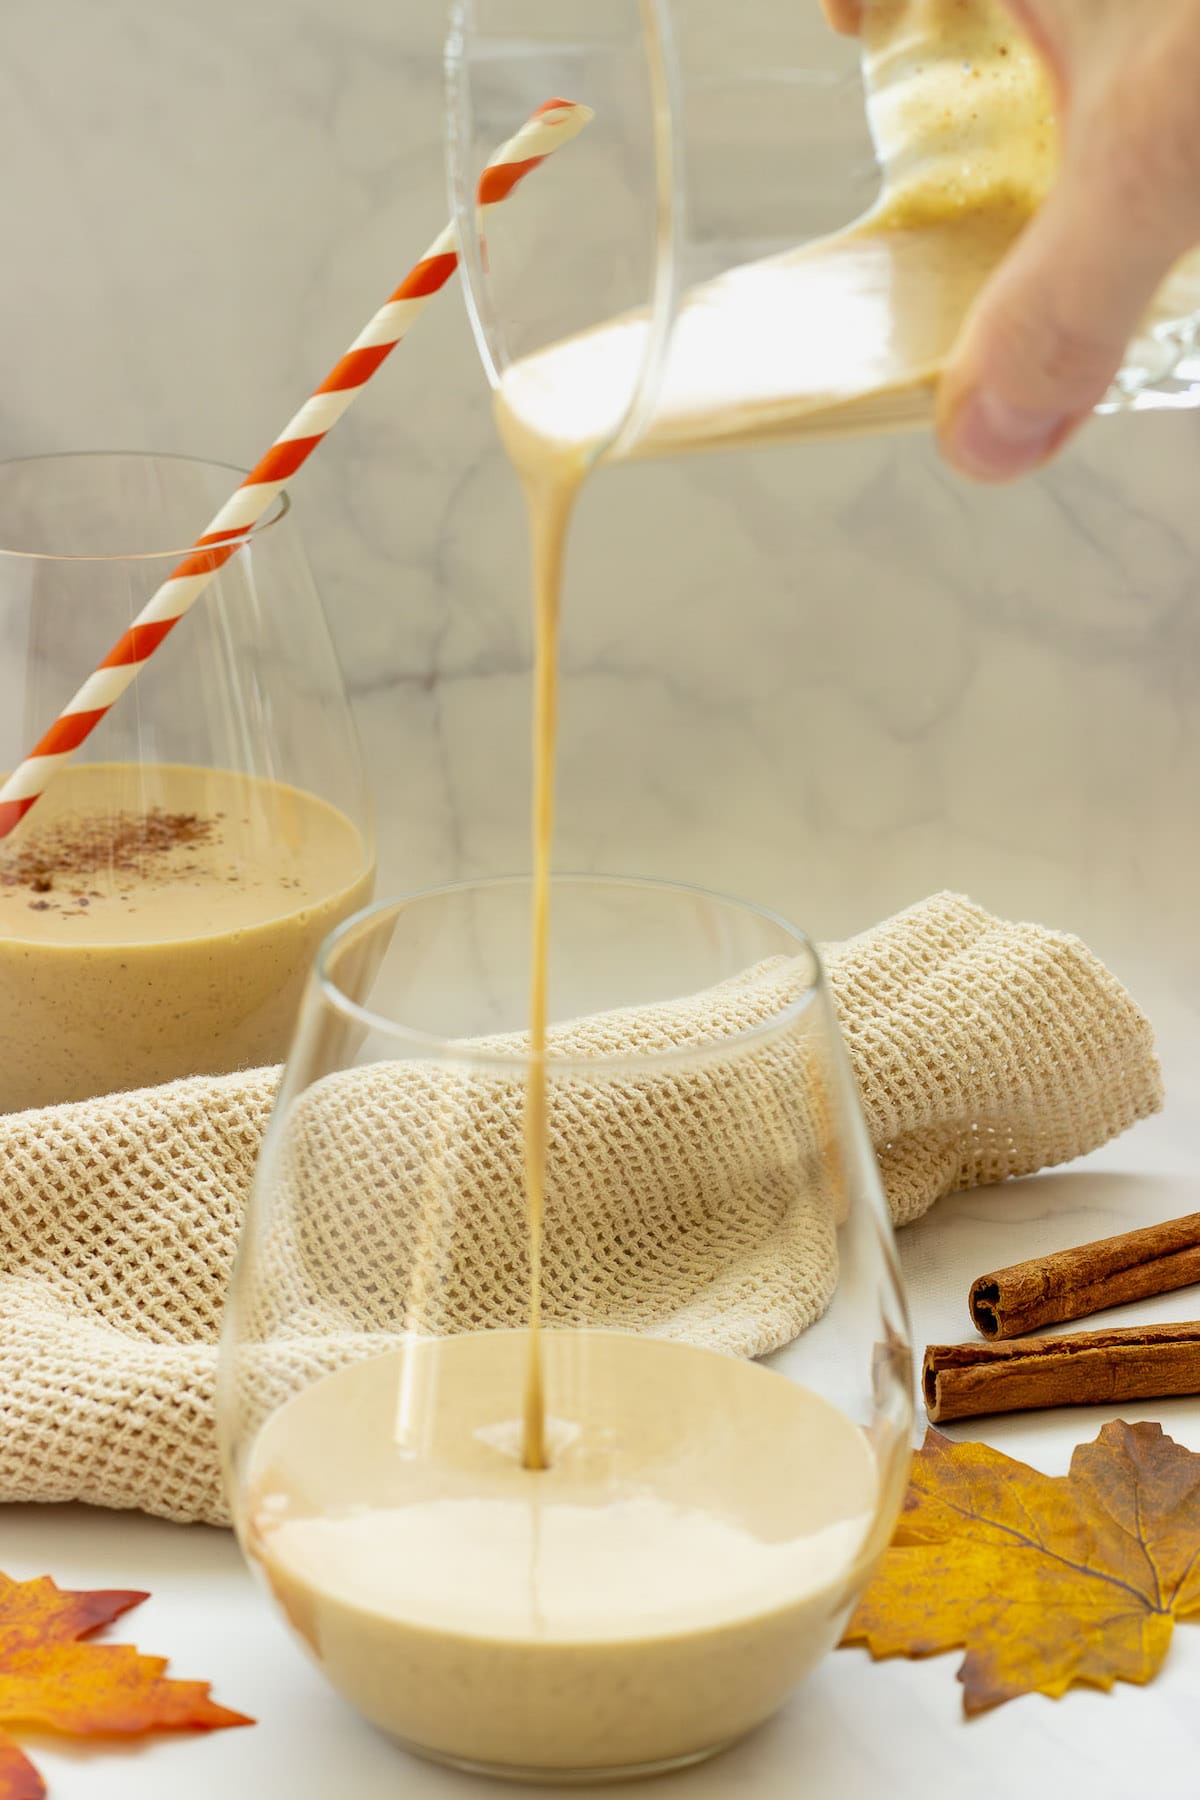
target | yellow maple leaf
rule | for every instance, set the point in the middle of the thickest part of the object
(53, 1682)
(1045, 1581)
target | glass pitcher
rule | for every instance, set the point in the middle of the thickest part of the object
(780, 230)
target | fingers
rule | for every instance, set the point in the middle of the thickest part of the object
(1049, 332)
(1040, 346)
(844, 15)
(1051, 328)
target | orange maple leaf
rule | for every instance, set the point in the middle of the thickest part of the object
(53, 1682)
(1045, 1581)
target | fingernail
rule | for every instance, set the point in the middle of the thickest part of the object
(990, 439)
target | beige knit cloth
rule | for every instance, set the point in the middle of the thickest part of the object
(694, 1200)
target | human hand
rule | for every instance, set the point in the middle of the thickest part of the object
(1050, 329)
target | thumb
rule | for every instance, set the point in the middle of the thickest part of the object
(1050, 329)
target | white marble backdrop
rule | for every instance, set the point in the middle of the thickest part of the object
(828, 679)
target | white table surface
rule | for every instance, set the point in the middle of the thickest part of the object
(856, 1730)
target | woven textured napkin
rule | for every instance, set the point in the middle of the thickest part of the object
(981, 1049)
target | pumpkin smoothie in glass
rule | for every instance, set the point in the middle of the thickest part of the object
(159, 920)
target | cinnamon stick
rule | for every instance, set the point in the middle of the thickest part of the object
(1085, 1368)
(1073, 1283)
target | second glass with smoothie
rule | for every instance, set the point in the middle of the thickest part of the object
(160, 905)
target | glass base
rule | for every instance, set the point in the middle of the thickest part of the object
(566, 1777)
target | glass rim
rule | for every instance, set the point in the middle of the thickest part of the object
(280, 507)
(434, 1046)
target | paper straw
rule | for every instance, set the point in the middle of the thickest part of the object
(544, 131)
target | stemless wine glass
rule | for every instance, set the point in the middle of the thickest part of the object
(161, 904)
(706, 1520)
(725, 141)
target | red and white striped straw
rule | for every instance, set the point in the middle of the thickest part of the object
(544, 131)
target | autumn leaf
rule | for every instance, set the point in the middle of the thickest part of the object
(53, 1682)
(1044, 1581)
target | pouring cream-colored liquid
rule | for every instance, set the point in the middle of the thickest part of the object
(691, 1551)
(638, 1562)
(593, 1552)
(561, 1552)
(159, 921)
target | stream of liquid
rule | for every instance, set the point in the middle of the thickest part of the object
(648, 1579)
(551, 485)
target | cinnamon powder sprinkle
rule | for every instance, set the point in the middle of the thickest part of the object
(123, 843)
